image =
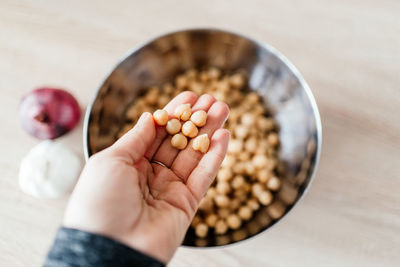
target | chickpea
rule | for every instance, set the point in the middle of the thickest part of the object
(245, 213)
(221, 240)
(161, 117)
(201, 230)
(181, 82)
(273, 139)
(205, 204)
(235, 146)
(213, 73)
(237, 182)
(152, 95)
(257, 189)
(253, 227)
(228, 161)
(263, 219)
(311, 147)
(220, 96)
(249, 168)
(305, 165)
(224, 174)
(251, 145)
(191, 73)
(234, 115)
(276, 210)
(258, 110)
(196, 220)
(235, 204)
(233, 221)
(252, 98)
(203, 76)
(221, 201)
(189, 129)
(183, 112)
(273, 183)
(179, 141)
(254, 132)
(168, 89)
(243, 156)
(201, 242)
(288, 193)
(223, 86)
(211, 219)
(239, 193)
(235, 96)
(239, 234)
(223, 213)
(265, 124)
(271, 164)
(301, 177)
(260, 161)
(132, 113)
(265, 198)
(246, 187)
(243, 197)
(196, 87)
(239, 167)
(237, 80)
(261, 150)
(212, 86)
(263, 143)
(211, 192)
(199, 118)
(248, 119)
(140, 103)
(223, 187)
(263, 175)
(162, 100)
(221, 227)
(253, 204)
(241, 131)
(201, 143)
(173, 126)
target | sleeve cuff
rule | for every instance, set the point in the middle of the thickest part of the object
(78, 248)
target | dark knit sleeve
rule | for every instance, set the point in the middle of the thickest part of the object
(78, 248)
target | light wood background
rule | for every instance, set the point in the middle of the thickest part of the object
(348, 51)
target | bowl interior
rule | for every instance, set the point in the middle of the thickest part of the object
(269, 73)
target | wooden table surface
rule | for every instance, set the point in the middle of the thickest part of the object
(348, 51)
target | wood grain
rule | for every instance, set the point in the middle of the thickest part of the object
(348, 51)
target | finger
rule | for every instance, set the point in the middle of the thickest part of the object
(133, 145)
(183, 98)
(166, 154)
(204, 173)
(187, 159)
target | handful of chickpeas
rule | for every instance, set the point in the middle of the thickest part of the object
(189, 128)
(247, 180)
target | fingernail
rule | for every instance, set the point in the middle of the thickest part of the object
(143, 117)
(228, 133)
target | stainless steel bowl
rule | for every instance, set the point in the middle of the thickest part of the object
(270, 74)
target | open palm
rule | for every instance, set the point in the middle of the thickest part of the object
(144, 192)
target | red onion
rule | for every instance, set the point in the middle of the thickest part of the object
(48, 113)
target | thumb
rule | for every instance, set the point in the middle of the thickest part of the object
(134, 144)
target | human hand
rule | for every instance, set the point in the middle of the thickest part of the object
(123, 194)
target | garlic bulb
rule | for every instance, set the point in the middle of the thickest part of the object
(49, 170)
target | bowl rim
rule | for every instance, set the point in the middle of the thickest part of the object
(265, 46)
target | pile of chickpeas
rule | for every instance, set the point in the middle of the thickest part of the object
(189, 128)
(247, 180)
